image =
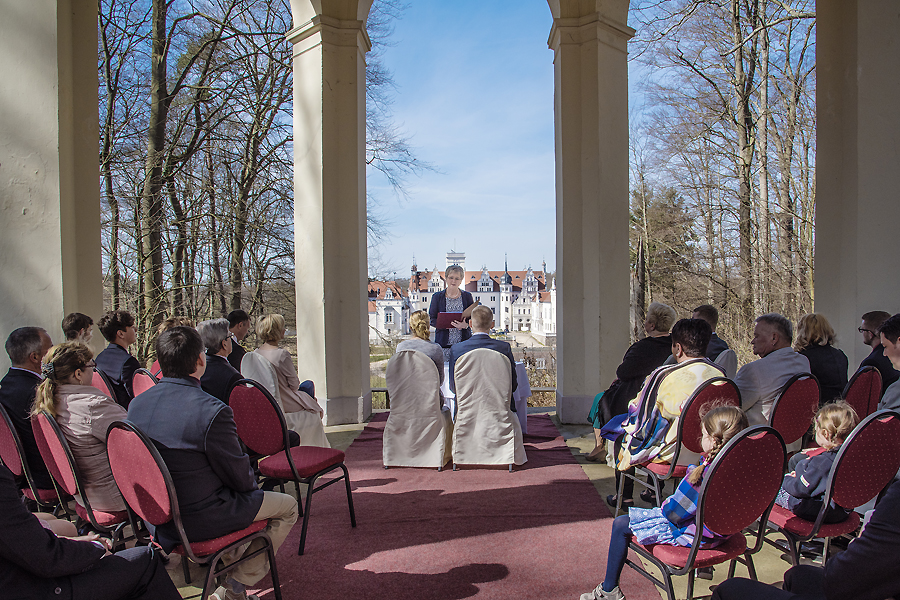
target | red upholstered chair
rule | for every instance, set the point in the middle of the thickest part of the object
(61, 464)
(719, 389)
(863, 391)
(867, 462)
(13, 456)
(146, 485)
(143, 381)
(156, 370)
(262, 428)
(738, 488)
(100, 381)
(796, 405)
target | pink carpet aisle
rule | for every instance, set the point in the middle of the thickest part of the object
(540, 532)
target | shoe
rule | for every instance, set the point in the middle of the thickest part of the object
(626, 502)
(223, 593)
(649, 496)
(599, 594)
(705, 573)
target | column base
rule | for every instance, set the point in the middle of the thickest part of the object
(573, 410)
(344, 410)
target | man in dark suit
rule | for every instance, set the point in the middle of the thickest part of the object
(219, 375)
(35, 563)
(197, 438)
(482, 321)
(115, 361)
(710, 314)
(239, 326)
(26, 346)
(871, 323)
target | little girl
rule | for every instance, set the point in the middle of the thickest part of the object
(803, 489)
(673, 522)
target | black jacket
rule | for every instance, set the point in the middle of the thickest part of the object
(639, 361)
(877, 359)
(17, 391)
(716, 347)
(219, 377)
(829, 365)
(119, 365)
(237, 355)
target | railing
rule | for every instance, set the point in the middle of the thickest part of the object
(387, 396)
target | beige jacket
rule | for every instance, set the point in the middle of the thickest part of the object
(292, 399)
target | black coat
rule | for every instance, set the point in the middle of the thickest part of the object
(119, 366)
(219, 377)
(639, 361)
(237, 355)
(877, 359)
(716, 347)
(17, 391)
(829, 365)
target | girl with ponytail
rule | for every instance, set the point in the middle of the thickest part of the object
(673, 522)
(83, 413)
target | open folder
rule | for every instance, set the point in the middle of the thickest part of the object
(445, 319)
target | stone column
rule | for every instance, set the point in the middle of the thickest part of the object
(591, 108)
(49, 169)
(857, 175)
(330, 206)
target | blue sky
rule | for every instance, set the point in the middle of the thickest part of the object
(475, 95)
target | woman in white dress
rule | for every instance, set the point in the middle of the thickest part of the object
(301, 410)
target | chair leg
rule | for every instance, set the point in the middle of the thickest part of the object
(690, 591)
(187, 570)
(751, 568)
(309, 495)
(657, 489)
(670, 589)
(349, 496)
(622, 477)
(454, 466)
(299, 501)
(273, 569)
(510, 468)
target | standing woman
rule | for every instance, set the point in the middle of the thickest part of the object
(451, 300)
(815, 341)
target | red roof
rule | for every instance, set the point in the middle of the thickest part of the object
(377, 290)
(473, 277)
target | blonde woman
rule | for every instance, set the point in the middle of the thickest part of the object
(420, 323)
(302, 410)
(83, 413)
(815, 341)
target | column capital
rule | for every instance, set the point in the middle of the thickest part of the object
(338, 32)
(592, 27)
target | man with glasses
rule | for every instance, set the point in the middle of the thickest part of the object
(871, 322)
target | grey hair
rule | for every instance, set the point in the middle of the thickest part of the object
(213, 333)
(457, 269)
(780, 323)
(22, 342)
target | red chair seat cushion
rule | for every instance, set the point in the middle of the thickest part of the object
(103, 518)
(309, 460)
(662, 469)
(677, 556)
(788, 521)
(44, 496)
(214, 545)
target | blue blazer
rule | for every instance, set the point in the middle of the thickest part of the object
(483, 340)
(439, 305)
(119, 365)
(219, 377)
(17, 391)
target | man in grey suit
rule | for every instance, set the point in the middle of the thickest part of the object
(481, 322)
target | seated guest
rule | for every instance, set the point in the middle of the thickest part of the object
(115, 361)
(761, 380)
(889, 332)
(482, 321)
(420, 323)
(219, 375)
(871, 323)
(710, 314)
(197, 438)
(78, 327)
(298, 401)
(867, 570)
(165, 326)
(815, 339)
(239, 326)
(26, 346)
(83, 414)
(651, 429)
(639, 361)
(35, 563)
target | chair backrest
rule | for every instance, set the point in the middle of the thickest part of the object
(720, 390)
(741, 483)
(863, 391)
(10, 446)
(413, 385)
(484, 376)
(100, 381)
(260, 421)
(727, 359)
(796, 405)
(141, 474)
(155, 369)
(56, 453)
(143, 381)
(867, 461)
(256, 367)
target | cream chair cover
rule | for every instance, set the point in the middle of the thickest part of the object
(308, 425)
(486, 431)
(418, 433)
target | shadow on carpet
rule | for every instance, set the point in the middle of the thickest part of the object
(539, 532)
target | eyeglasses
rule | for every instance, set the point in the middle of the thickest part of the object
(864, 330)
(91, 364)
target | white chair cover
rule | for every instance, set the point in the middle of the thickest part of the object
(307, 425)
(727, 359)
(486, 431)
(418, 433)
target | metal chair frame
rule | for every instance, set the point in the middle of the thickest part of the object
(26, 470)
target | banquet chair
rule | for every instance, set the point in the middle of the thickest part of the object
(143, 381)
(61, 463)
(737, 489)
(865, 464)
(146, 485)
(13, 456)
(100, 381)
(794, 408)
(721, 390)
(262, 428)
(486, 431)
(417, 433)
(863, 391)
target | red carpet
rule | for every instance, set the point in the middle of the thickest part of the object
(539, 532)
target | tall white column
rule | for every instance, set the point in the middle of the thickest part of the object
(857, 158)
(49, 165)
(330, 207)
(591, 108)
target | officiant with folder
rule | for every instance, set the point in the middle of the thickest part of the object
(449, 311)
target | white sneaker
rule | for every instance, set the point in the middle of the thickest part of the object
(599, 594)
